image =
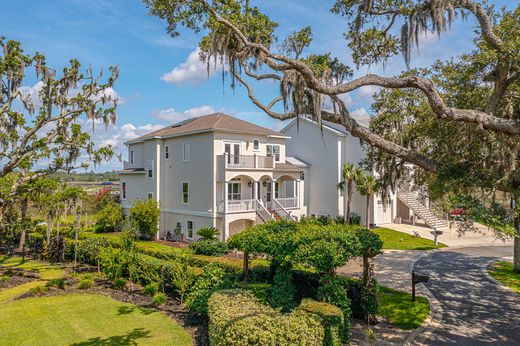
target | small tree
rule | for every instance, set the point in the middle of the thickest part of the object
(110, 218)
(144, 219)
(367, 185)
(181, 276)
(349, 175)
(208, 233)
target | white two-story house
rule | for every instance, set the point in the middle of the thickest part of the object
(214, 170)
(325, 148)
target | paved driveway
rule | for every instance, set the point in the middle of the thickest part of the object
(476, 311)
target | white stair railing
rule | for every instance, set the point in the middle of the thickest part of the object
(411, 200)
(262, 212)
(281, 211)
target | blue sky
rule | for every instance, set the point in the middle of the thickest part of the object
(161, 79)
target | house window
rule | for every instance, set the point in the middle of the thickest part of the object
(289, 188)
(150, 195)
(185, 193)
(256, 144)
(274, 151)
(186, 152)
(149, 169)
(276, 189)
(131, 157)
(123, 189)
(189, 227)
(234, 191)
(166, 152)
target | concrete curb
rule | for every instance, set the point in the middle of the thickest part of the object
(483, 269)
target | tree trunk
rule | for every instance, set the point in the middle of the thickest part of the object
(350, 190)
(246, 267)
(516, 245)
(367, 221)
(23, 213)
(49, 230)
(76, 231)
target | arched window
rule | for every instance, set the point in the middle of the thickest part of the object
(256, 144)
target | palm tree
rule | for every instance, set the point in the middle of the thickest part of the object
(367, 185)
(349, 175)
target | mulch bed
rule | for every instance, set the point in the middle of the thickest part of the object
(12, 277)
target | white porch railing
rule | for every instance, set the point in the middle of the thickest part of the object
(240, 205)
(288, 202)
(247, 161)
(263, 213)
(281, 211)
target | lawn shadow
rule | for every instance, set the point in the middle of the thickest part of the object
(125, 310)
(129, 338)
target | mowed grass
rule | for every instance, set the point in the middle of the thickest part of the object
(503, 272)
(46, 271)
(399, 309)
(395, 240)
(85, 319)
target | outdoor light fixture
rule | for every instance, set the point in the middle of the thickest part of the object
(264, 183)
(249, 183)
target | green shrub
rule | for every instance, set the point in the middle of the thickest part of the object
(89, 249)
(56, 249)
(181, 276)
(212, 279)
(119, 284)
(58, 283)
(36, 244)
(151, 289)
(109, 218)
(330, 316)
(261, 291)
(208, 233)
(283, 290)
(236, 317)
(86, 281)
(332, 292)
(39, 290)
(144, 219)
(209, 247)
(159, 298)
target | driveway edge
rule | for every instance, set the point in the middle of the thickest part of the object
(436, 312)
(483, 269)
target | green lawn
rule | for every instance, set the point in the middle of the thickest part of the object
(503, 272)
(394, 240)
(397, 307)
(85, 319)
(47, 272)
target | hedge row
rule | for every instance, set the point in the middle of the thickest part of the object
(236, 317)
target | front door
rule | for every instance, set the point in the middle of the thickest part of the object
(233, 151)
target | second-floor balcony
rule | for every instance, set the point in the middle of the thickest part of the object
(246, 161)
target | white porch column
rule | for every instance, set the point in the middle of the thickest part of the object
(225, 196)
(273, 195)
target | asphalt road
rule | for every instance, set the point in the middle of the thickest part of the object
(476, 310)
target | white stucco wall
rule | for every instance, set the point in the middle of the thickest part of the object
(320, 149)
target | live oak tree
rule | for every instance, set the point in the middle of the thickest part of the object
(238, 35)
(40, 126)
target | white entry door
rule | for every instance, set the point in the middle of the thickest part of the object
(384, 213)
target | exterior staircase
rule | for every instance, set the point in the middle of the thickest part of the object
(275, 214)
(431, 219)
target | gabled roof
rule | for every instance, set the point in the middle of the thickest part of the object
(207, 123)
(334, 127)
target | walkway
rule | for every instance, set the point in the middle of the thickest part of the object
(476, 310)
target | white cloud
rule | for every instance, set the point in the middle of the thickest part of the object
(32, 93)
(192, 71)
(171, 115)
(361, 116)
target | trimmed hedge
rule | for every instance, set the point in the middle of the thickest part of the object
(330, 316)
(236, 317)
